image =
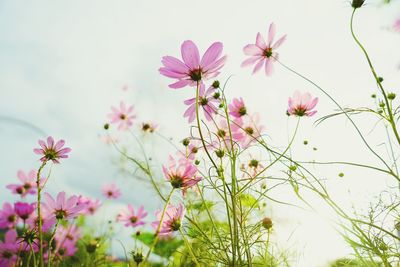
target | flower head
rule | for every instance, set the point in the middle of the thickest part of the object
(123, 116)
(8, 216)
(67, 234)
(24, 210)
(52, 151)
(91, 205)
(263, 53)
(181, 174)
(27, 186)
(132, 218)
(250, 129)
(62, 208)
(172, 220)
(302, 105)
(111, 191)
(149, 127)
(193, 70)
(207, 102)
(237, 108)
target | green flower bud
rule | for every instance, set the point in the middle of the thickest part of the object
(267, 223)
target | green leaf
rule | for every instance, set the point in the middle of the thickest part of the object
(164, 247)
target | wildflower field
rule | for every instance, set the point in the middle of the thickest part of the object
(200, 133)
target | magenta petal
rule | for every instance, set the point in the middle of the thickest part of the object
(174, 64)
(190, 54)
(171, 74)
(179, 84)
(50, 141)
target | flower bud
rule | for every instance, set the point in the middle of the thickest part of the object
(357, 3)
(391, 96)
(92, 246)
(267, 223)
(186, 141)
(373, 95)
(380, 79)
(106, 126)
(215, 84)
(220, 153)
(137, 257)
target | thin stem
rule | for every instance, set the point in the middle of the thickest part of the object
(53, 234)
(41, 262)
(189, 247)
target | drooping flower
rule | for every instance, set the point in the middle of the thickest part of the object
(24, 210)
(263, 53)
(111, 191)
(181, 174)
(8, 216)
(207, 102)
(91, 205)
(62, 208)
(193, 70)
(249, 127)
(51, 151)
(302, 104)
(396, 25)
(237, 108)
(123, 116)
(28, 185)
(132, 218)
(172, 219)
(9, 249)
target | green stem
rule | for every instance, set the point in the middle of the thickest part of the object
(50, 243)
(189, 247)
(41, 262)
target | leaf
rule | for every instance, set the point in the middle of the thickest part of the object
(248, 200)
(164, 248)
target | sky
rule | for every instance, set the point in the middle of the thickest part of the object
(64, 63)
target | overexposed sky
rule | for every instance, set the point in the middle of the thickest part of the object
(63, 63)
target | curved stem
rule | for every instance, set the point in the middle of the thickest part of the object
(41, 262)
(189, 247)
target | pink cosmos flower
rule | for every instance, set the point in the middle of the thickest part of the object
(51, 151)
(132, 218)
(172, 219)
(250, 128)
(302, 104)
(28, 185)
(111, 191)
(396, 25)
(65, 249)
(24, 210)
(193, 70)
(181, 174)
(224, 139)
(71, 233)
(62, 208)
(251, 168)
(8, 216)
(9, 249)
(48, 220)
(91, 205)
(123, 116)
(237, 108)
(263, 53)
(207, 102)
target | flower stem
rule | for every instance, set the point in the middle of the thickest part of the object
(189, 247)
(41, 262)
(50, 243)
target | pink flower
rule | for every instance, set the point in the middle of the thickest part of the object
(62, 208)
(65, 249)
(302, 105)
(396, 25)
(28, 185)
(223, 135)
(8, 216)
(51, 151)
(9, 249)
(123, 116)
(24, 210)
(132, 218)
(262, 52)
(111, 191)
(193, 70)
(91, 205)
(48, 220)
(172, 219)
(67, 234)
(182, 174)
(206, 101)
(237, 108)
(249, 127)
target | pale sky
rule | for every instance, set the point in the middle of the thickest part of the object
(63, 64)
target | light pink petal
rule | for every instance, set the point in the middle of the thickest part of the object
(50, 141)
(212, 53)
(190, 54)
(313, 103)
(189, 101)
(258, 65)
(216, 65)
(250, 61)
(252, 50)
(271, 34)
(279, 42)
(260, 42)
(60, 199)
(59, 144)
(269, 67)
(171, 74)
(42, 144)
